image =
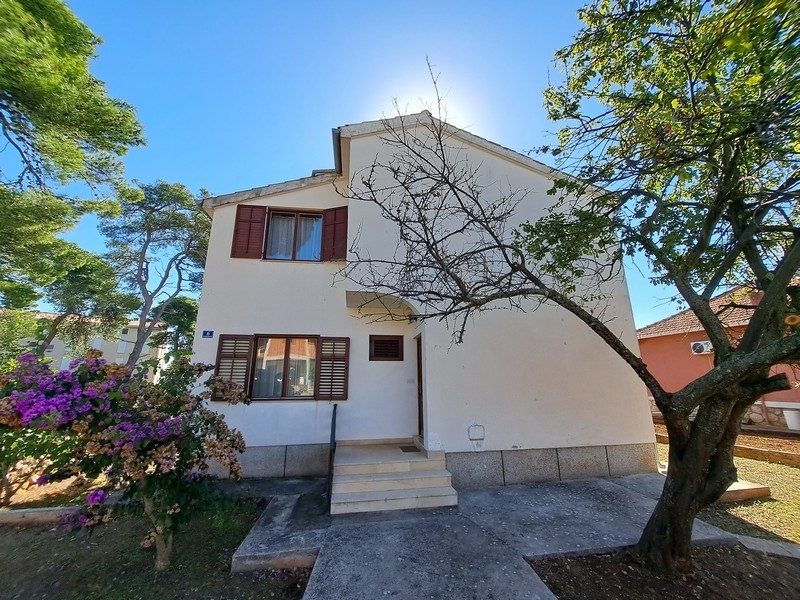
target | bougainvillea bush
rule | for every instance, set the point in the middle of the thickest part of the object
(153, 441)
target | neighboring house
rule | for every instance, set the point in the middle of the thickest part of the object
(527, 397)
(677, 351)
(115, 350)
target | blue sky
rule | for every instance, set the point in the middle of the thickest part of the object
(235, 95)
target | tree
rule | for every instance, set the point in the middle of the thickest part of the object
(178, 319)
(16, 326)
(681, 134)
(159, 245)
(58, 125)
(87, 304)
(688, 112)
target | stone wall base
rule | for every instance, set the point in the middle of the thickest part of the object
(757, 414)
(302, 460)
(470, 470)
(475, 470)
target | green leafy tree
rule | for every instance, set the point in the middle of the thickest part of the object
(16, 326)
(178, 320)
(689, 114)
(58, 125)
(681, 129)
(87, 304)
(159, 245)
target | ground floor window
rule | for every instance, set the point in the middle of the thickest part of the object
(271, 367)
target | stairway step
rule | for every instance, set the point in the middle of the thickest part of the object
(399, 466)
(355, 502)
(369, 482)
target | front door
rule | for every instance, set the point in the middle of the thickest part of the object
(419, 387)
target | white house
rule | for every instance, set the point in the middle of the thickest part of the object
(527, 397)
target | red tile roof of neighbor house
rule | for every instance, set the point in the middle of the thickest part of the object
(686, 321)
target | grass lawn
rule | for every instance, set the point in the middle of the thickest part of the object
(776, 518)
(49, 562)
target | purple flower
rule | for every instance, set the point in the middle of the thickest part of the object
(43, 479)
(96, 496)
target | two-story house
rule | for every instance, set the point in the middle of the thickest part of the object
(527, 397)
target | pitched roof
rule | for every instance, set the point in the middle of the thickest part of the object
(426, 118)
(686, 321)
(318, 178)
(379, 126)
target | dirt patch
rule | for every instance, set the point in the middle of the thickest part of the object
(778, 441)
(60, 493)
(733, 573)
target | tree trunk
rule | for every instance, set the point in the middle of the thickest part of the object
(163, 549)
(51, 334)
(700, 470)
(143, 332)
(163, 533)
(6, 490)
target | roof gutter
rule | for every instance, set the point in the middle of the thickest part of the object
(337, 149)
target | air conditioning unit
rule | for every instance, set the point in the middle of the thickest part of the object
(703, 347)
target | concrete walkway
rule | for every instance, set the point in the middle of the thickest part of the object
(474, 551)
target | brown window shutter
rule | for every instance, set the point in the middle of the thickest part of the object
(334, 354)
(386, 347)
(334, 234)
(233, 359)
(248, 233)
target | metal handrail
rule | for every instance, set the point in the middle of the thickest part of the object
(331, 454)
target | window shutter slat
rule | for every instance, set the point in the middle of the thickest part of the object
(248, 232)
(233, 359)
(334, 234)
(386, 347)
(334, 356)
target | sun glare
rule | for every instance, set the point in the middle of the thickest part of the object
(407, 93)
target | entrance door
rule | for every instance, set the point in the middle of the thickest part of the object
(419, 387)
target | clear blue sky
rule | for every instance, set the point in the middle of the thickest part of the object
(235, 95)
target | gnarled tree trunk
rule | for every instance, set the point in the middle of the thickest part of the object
(700, 470)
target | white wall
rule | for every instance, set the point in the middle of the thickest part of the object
(247, 296)
(539, 379)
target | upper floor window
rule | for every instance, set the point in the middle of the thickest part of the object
(294, 236)
(290, 234)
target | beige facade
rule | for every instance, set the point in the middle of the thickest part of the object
(116, 350)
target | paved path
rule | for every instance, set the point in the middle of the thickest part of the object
(477, 551)
(429, 556)
(769, 547)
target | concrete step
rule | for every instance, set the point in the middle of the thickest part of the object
(365, 466)
(288, 535)
(739, 491)
(405, 466)
(376, 482)
(357, 502)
